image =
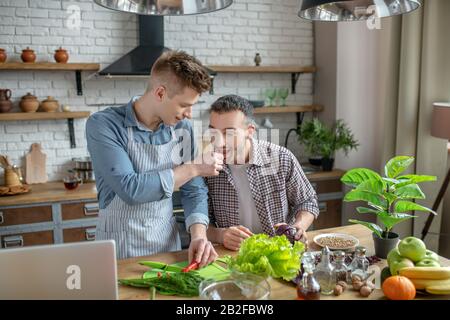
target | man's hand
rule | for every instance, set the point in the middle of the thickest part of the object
(201, 250)
(233, 236)
(209, 164)
(300, 235)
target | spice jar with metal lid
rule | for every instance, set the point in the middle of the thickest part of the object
(360, 264)
(340, 271)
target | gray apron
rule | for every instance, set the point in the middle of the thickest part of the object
(146, 228)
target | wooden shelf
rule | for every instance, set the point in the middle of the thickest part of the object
(23, 116)
(53, 66)
(262, 69)
(49, 66)
(295, 71)
(288, 109)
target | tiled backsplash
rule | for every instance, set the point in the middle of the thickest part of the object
(230, 36)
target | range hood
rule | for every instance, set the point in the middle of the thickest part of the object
(139, 61)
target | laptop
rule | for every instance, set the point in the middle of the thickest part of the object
(71, 271)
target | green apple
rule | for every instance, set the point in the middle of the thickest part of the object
(394, 255)
(400, 264)
(431, 255)
(412, 248)
(427, 262)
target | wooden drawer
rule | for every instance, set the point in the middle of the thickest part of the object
(27, 239)
(79, 210)
(11, 217)
(79, 234)
(327, 186)
(330, 214)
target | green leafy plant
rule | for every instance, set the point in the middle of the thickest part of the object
(268, 256)
(389, 197)
(320, 140)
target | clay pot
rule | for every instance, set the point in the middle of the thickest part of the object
(29, 103)
(61, 55)
(28, 55)
(5, 102)
(49, 105)
(2, 55)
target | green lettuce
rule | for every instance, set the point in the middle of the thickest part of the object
(268, 256)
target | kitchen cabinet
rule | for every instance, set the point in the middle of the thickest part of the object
(329, 191)
(49, 214)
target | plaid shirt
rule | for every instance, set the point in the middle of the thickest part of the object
(279, 188)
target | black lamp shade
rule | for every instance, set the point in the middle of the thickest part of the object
(354, 10)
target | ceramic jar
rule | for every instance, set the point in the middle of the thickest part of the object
(5, 102)
(28, 55)
(49, 105)
(29, 103)
(3, 55)
(61, 55)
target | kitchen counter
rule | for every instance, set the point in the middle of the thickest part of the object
(129, 268)
(55, 191)
(51, 192)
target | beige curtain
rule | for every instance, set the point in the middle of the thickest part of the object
(415, 63)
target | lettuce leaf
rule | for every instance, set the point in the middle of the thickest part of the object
(268, 256)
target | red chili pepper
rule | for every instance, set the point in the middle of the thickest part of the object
(193, 266)
(159, 274)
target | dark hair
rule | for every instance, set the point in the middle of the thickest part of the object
(188, 70)
(233, 102)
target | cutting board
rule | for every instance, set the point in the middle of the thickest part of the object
(214, 270)
(35, 167)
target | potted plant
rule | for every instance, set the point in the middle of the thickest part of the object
(389, 197)
(320, 140)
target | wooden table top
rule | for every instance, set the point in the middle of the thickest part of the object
(280, 290)
(51, 192)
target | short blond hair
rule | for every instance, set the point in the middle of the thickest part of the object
(180, 70)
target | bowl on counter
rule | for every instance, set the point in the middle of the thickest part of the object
(235, 286)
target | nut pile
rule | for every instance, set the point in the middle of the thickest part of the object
(365, 288)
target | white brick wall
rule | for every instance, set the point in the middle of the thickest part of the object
(231, 36)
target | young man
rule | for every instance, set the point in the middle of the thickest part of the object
(262, 184)
(132, 150)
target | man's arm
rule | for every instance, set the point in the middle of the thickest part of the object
(302, 197)
(112, 162)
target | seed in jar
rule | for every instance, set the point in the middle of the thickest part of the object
(335, 242)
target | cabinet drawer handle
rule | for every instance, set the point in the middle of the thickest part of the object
(1, 217)
(90, 234)
(13, 241)
(322, 206)
(91, 209)
(178, 210)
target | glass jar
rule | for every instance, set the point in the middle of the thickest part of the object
(324, 273)
(341, 271)
(360, 264)
(308, 288)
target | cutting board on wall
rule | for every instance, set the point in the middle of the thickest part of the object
(36, 171)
